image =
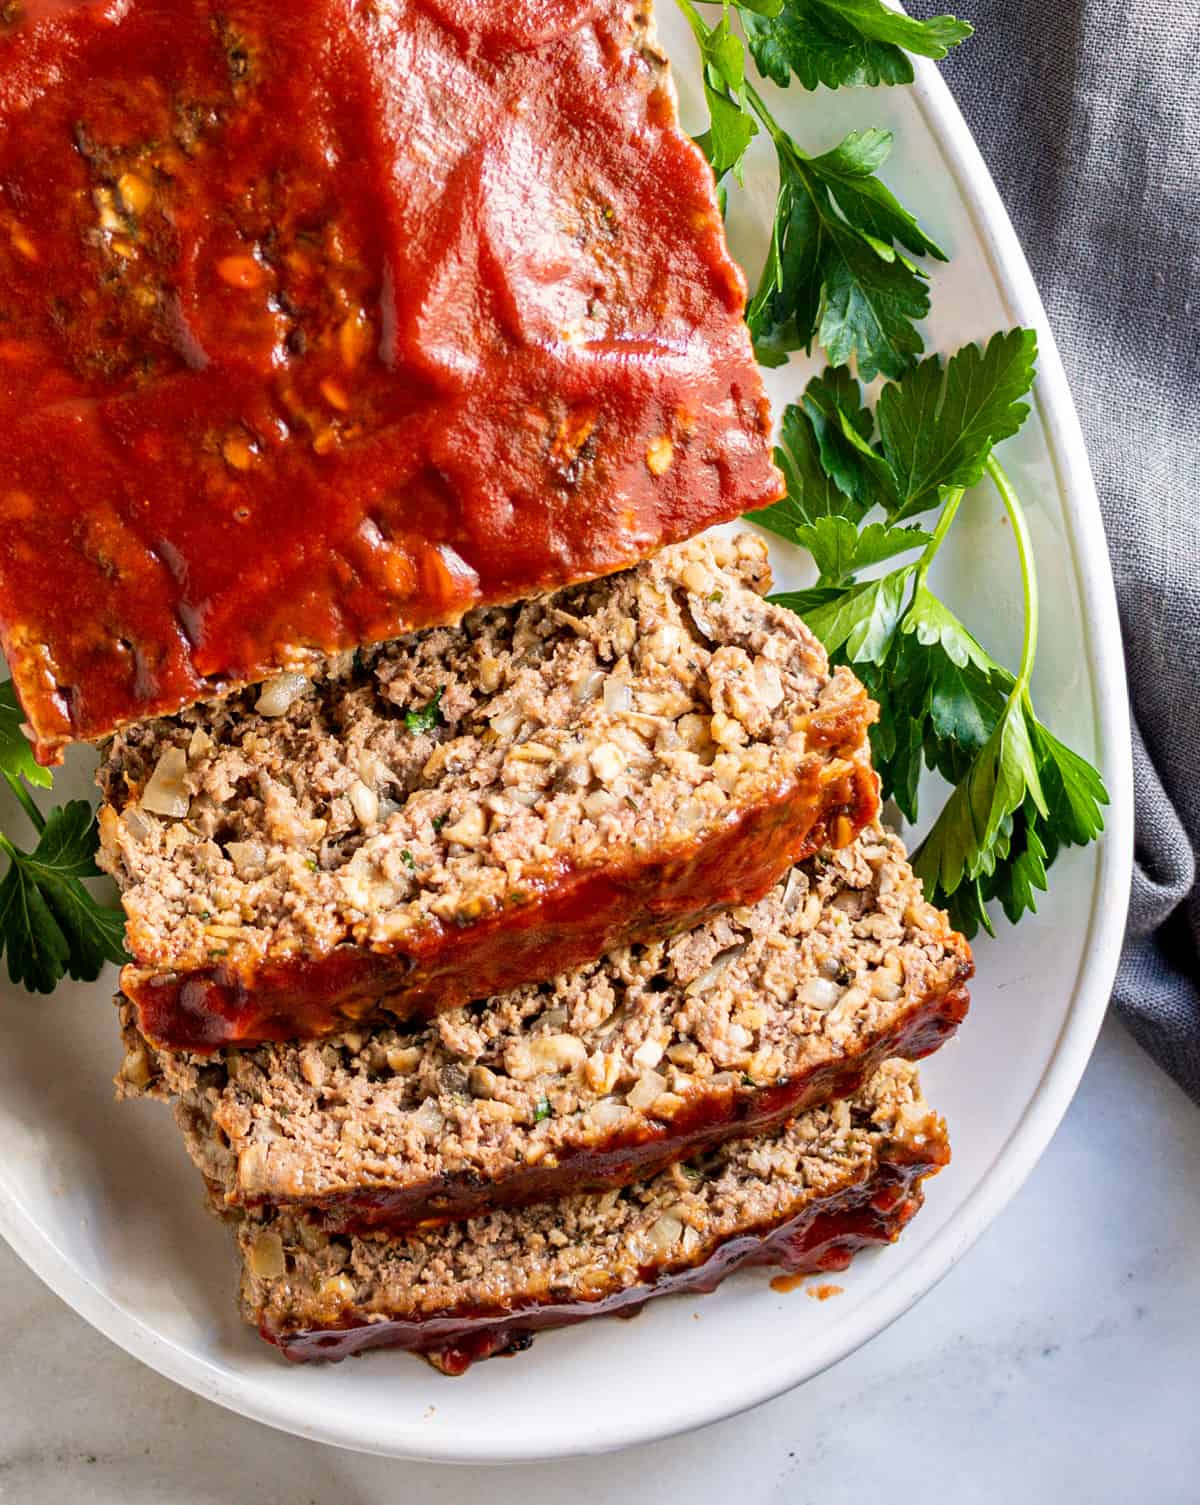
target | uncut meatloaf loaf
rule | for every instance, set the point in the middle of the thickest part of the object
(468, 809)
(599, 1078)
(832, 1181)
(323, 321)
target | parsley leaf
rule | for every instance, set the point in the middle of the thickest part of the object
(901, 688)
(811, 493)
(932, 622)
(845, 42)
(938, 423)
(962, 843)
(16, 753)
(1073, 785)
(836, 269)
(842, 426)
(723, 65)
(833, 270)
(424, 718)
(50, 924)
(1018, 795)
(841, 550)
(862, 620)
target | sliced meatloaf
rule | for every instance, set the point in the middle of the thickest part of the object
(603, 1076)
(468, 809)
(832, 1181)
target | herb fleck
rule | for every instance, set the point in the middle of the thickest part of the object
(424, 718)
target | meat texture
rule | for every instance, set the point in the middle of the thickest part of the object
(601, 1077)
(834, 1180)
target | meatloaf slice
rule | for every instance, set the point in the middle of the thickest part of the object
(831, 1182)
(469, 809)
(599, 1078)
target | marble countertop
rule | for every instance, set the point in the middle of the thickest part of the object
(1059, 1362)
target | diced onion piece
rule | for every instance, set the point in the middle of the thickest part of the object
(587, 686)
(711, 973)
(246, 856)
(200, 746)
(794, 890)
(607, 1112)
(266, 1259)
(364, 802)
(166, 792)
(136, 823)
(701, 618)
(557, 1053)
(768, 683)
(646, 1089)
(464, 576)
(505, 724)
(648, 1054)
(820, 992)
(664, 1234)
(279, 693)
(428, 1118)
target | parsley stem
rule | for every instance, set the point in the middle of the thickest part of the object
(699, 30)
(27, 804)
(778, 135)
(1024, 541)
(953, 500)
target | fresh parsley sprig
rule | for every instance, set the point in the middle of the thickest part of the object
(1019, 795)
(732, 126)
(836, 271)
(842, 43)
(839, 269)
(50, 924)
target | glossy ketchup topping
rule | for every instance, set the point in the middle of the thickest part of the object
(323, 321)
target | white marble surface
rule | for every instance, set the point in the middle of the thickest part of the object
(1060, 1362)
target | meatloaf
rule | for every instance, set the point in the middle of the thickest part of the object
(599, 1078)
(832, 1181)
(465, 810)
(284, 371)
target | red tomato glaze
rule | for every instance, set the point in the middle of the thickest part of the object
(326, 321)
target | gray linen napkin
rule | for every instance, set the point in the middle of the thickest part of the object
(1088, 115)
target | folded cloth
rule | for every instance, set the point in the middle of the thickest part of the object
(1088, 116)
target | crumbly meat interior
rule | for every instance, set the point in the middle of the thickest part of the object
(815, 972)
(298, 1277)
(429, 779)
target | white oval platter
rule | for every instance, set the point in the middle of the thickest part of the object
(102, 1203)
